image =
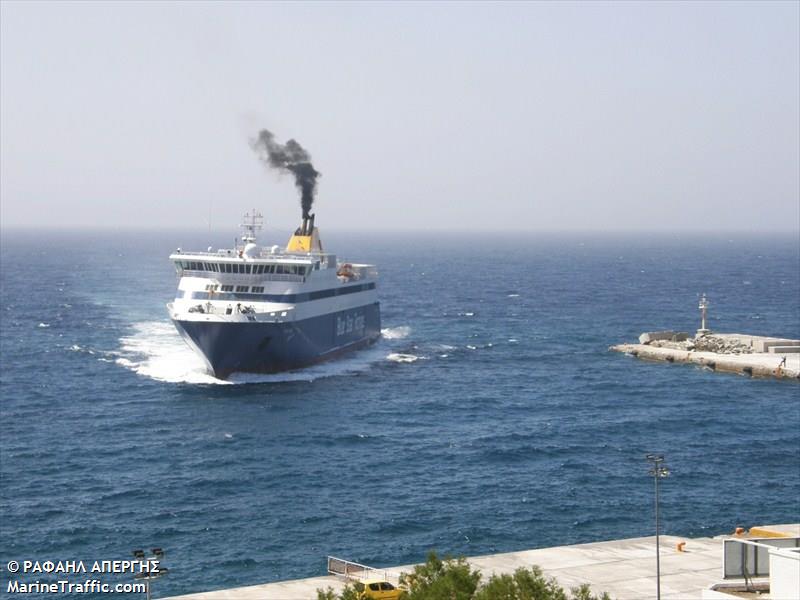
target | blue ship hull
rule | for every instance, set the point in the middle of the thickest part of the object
(253, 347)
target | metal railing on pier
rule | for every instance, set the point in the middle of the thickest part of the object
(357, 572)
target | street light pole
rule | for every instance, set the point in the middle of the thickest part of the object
(658, 471)
(149, 575)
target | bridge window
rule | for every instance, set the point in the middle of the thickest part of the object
(227, 288)
(257, 289)
(242, 288)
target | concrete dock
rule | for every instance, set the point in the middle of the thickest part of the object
(756, 356)
(626, 569)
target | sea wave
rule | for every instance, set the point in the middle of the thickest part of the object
(155, 350)
(396, 333)
(402, 358)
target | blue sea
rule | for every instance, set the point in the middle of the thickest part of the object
(491, 417)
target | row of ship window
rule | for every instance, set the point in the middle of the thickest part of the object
(255, 289)
(246, 269)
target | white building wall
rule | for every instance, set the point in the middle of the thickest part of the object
(784, 574)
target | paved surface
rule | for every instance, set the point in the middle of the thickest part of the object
(760, 364)
(623, 568)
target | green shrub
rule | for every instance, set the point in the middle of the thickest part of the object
(348, 593)
(448, 579)
(524, 584)
(583, 592)
(454, 579)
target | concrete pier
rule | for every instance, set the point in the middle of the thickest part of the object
(757, 356)
(626, 569)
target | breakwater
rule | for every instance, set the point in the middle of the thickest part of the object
(756, 356)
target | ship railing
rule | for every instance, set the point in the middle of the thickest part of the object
(265, 316)
(277, 316)
(357, 572)
(282, 277)
(217, 254)
(366, 271)
(265, 253)
(248, 277)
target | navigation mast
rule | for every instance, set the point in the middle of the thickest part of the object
(252, 223)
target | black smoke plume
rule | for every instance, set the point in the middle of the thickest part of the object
(291, 157)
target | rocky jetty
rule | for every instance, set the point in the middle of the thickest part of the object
(704, 343)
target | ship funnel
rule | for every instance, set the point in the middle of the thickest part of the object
(305, 238)
(306, 226)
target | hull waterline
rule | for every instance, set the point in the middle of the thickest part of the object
(253, 347)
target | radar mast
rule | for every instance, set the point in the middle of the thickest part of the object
(252, 223)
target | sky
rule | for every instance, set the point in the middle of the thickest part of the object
(547, 116)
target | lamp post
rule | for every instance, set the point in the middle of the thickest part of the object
(658, 470)
(147, 576)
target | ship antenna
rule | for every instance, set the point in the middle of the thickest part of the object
(252, 223)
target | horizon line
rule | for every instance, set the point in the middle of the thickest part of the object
(493, 230)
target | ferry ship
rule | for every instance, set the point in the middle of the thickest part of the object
(266, 309)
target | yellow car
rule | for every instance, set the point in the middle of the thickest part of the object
(377, 589)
